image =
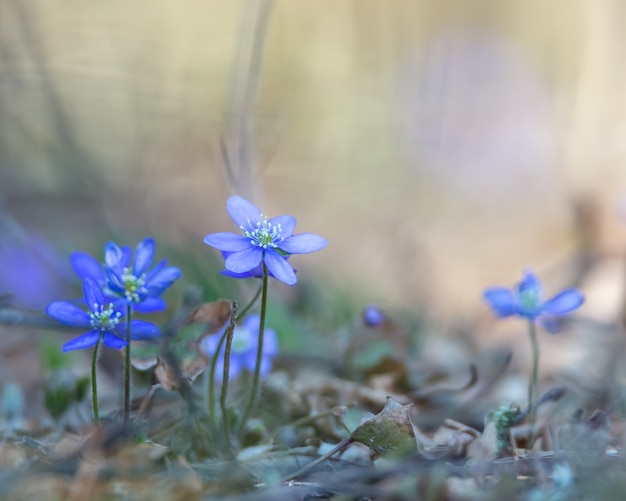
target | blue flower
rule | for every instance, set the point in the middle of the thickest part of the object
(526, 300)
(129, 279)
(104, 320)
(243, 348)
(263, 240)
(373, 315)
(253, 273)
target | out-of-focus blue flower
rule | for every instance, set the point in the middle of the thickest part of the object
(129, 279)
(104, 320)
(263, 240)
(526, 300)
(243, 348)
(373, 315)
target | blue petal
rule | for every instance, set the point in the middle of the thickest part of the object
(151, 305)
(530, 282)
(241, 211)
(113, 341)
(164, 279)
(280, 267)
(227, 241)
(144, 254)
(550, 323)
(113, 256)
(86, 266)
(303, 243)
(69, 314)
(502, 301)
(243, 261)
(94, 297)
(86, 340)
(252, 324)
(270, 342)
(287, 224)
(114, 281)
(156, 269)
(564, 302)
(140, 329)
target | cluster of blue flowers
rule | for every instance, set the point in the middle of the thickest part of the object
(109, 289)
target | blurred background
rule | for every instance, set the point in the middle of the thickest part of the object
(440, 147)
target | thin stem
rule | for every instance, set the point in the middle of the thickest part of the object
(532, 384)
(251, 303)
(259, 353)
(129, 314)
(341, 445)
(211, 394)
(229, 341)
(94, 383)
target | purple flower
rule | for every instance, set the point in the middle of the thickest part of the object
(263, 240)
(129, 279)
(104, 320)
(243, 348)
(373, 315)
(526, 300)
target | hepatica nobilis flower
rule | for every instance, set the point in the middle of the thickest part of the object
(526, 300)
(104, 319)
(128, 277)
(243, 348)
(262, 240)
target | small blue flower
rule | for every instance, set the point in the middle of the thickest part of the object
(263, 240)
(526, 301)
(373, 315)
(243, 348)
(104, 320)
(127, 279)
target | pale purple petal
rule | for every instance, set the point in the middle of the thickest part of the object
(150, 305)
(287, 224)
(227, 241)
(303, 243)
(564, 302)
(241, 211)
(86, 266)
(144, 254)
(243, 261)
(68, 313)
(113, 256)
(502, 301)
(94, 296)
(270, 342)
(280, 267)
(86, 340)
(110, 340)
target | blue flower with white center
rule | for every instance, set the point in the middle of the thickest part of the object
(127, 279)
(104, 320)
(243, 349)
(526, 300)
(263, 240)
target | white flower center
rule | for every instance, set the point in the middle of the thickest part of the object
(243, 341)
(263, 233)
(104, 318)
(134, 286)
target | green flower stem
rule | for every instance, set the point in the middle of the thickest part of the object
(251, 303)
(129, 314)
(230, 330)
(94, 383)
(532, 384)
(259, 353)
(211, 394)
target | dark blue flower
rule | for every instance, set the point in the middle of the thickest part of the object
(263, 240)
(243, 348)
(129, 279)
(526, 300)
(104, 320)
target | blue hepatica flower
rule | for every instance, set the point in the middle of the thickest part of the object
(104, 320)
(243, 348)
(526, 300)
(253, 273)
(127, 279)
(263, 240)
(373, 316)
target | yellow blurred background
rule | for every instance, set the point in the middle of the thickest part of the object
(439, 146)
